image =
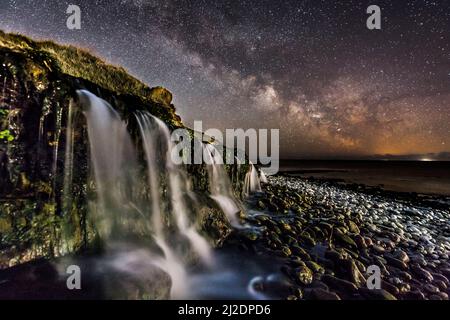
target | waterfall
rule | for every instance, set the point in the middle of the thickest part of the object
(252, 183)
(114, 169)
(156, 140)
(128, 218)
(219, 183)
(263, 177)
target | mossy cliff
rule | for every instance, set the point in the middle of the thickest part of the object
(38, 83)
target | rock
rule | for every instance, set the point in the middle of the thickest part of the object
(286, 252)
(304, 275)
(378, 249)
(396, 262)
(446, 272)
(413, 295)
(320, 294)
(351, 271)
(319, 284)
(359, 240)
(389, 287)
(315, 267)
(298, 251)
(333, 255)
(440, 277)
(422, 273)
(339, 284)
(297, 292)
(306, 238)
(440, 284)
(353, 228)
(261, 205)
(345, 239)
(430, 288)
(405, 275)
(401, 255)
(161, 95)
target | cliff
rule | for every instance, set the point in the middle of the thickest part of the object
(38, 83)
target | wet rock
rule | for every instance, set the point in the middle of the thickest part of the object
(396, 262)
(401, 255)
(345, 239)
(307, 239)
(315, 267)
(339, 284)
(333, 255)
(321, 294)
(440, 284)
(304, 275)
(351, 271)
(413, 295)
(286, 252)
(446, 272)
(298, 251)
(441, 277)
(319, 284)
(353, 228)
(430, 288)
(390, 287)
(422, 273)
(359, 240)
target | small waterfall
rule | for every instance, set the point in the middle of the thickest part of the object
(114, 169)
(252, 183)
(127, 218)
(156, 139)
(263, 177)
(219, 183)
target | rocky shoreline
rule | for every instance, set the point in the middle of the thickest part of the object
(321, 236)
(329, 234)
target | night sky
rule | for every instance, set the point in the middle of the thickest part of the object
(310, 68)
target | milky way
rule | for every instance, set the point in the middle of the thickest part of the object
(311, 68)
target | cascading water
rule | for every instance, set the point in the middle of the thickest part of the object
(156, 140)
(263, 177)
(114, 169)
(121, 213)
(220, 186)
(149, 227)
(252, 183)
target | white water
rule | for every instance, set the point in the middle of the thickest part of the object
(113, 167)
(121, 214)
(219, 183)
(263, 177)
(127, 216)
(118, 214)
(156, 139)
(252, 183)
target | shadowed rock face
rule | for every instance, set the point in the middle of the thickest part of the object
(38, 83)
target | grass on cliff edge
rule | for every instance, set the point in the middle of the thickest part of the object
(78, 63)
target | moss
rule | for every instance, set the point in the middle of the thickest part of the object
(6, 135)
(161, 95)
(81, 63)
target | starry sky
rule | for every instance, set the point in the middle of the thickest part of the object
(310, 68)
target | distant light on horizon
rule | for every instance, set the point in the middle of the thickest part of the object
(426, 159)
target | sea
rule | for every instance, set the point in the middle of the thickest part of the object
(423, 177)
